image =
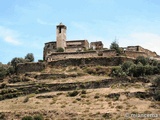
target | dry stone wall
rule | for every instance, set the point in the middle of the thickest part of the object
(89, 54)
(104, 61)
(135, 54)
(30, 67)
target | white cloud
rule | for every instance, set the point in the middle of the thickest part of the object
(44, 23)
(9, 36)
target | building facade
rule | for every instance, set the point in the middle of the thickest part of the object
(61, 42)
(82, 48)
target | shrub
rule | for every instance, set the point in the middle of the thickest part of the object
(142, 60)
(157, 95)
(2, 116)
(26, 99)
(96, 96)
(114, 96)
(83, 92)
(118, 72)
(107, 115)
(72, 94)
(139, 70)
(127, 65)
(27, 118)
(38, 117)
(156, 82)
(3, 72)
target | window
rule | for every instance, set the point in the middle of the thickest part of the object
(59, 29)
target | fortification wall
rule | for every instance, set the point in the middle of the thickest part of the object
(109, 53)
(104, 61)
(135, 54)
(141, 49)
(66, 55)
(88, 54)
(30, 67)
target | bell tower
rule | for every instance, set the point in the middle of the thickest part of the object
(61, 36)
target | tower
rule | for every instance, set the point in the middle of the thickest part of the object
(61, 36)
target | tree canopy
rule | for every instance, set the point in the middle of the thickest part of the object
(29, 57)
(114, 45)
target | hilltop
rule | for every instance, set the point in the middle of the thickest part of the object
(82, 91)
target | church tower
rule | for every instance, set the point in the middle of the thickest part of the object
(61, 36)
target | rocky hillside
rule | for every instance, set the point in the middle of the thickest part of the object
(76, 93)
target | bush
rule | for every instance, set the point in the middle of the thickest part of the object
(156, 83)
(96, 96)
(27, 118)
(142, 60)
(72, 94)
(138, 70)
(83, 92)
(26, 99)
(118, 72)
(38, 117)
(3, 72)
(2, 116)
(127, 65)
(114, 96)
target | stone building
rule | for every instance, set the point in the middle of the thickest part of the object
(61, 42)
(141, 49)
(98, 45)
(81, 49)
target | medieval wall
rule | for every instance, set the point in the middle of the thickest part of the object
(109, 53)
(89, 54)
(30, 67)
(135, 54)
(141, 49)
(66, 55)
(104, 61)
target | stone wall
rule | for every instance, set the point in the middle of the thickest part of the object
(140, 49)
(104, 61)
(88, 54)
(109, 53)
(66, 55)
(135, 54)
(30, 67)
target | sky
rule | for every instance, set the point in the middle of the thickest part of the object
(25, 25)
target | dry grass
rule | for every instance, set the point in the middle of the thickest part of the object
(87, 104)
(78, 104)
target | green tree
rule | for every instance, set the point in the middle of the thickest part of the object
(3, 72)
(29, 57)
(16, 60)
(114, 45)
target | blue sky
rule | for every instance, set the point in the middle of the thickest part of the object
(25, 25)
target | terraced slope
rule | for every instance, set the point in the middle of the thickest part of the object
(72, 93)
